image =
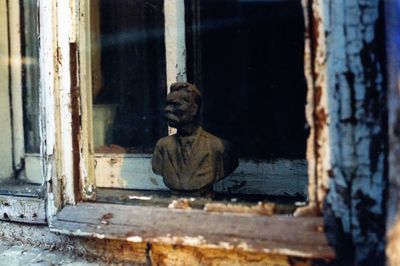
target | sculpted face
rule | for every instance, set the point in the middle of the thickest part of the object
(181, 109)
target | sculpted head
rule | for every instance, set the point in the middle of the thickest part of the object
(183, 105)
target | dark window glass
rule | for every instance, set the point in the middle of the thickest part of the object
(247, 59)
(129, 88)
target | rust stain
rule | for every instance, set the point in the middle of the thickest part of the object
(76, 118)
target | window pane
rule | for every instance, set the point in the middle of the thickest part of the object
(247, 58)
(30, 75)
(129, 86)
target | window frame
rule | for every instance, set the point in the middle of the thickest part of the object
(65, 140)
(13, 134)
(63, 185)
(18, 202)
(72, 71)
(285, 176)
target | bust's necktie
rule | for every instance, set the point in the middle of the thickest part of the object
(186, 147)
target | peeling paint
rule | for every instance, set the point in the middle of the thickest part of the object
(349, 127)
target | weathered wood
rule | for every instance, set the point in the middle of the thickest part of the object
(164, 254)
(300, 237)
(275, 177)
(282, 205)
(22, 189)
(22, 209)
(49, 112)
(349, 123)
(392, 17)
(6, 159)
(89, 55)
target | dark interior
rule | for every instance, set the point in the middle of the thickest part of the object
(245, 56)
(248, 62)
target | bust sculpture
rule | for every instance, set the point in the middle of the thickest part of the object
(191, 160)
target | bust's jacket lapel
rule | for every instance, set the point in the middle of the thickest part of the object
(200, 152)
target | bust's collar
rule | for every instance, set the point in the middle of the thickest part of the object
(196, 133)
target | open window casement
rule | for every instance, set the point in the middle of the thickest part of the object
(21, 181)
(20, 93)
(130, 52)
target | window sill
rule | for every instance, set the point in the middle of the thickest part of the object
(22, 209)
(301, 237)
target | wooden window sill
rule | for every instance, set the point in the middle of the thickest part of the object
(283, 235)
(22, 209)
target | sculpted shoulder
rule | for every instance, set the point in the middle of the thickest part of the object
(165, 141)
(215, 142)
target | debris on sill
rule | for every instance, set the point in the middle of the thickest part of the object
(183, 204)
(105, 219)
(261, 208)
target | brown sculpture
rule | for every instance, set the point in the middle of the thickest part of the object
(191, 160)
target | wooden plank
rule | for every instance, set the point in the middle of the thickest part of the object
(274, 177)
(22, 209)
(6, 160)
(285, 235)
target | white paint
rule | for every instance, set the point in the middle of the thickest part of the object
(175, 45)
(277, 177)
(140, 197)
(85, 40)
(6, 160)
(47, 100)
(16, 82)
(135, 239)
(64, 28)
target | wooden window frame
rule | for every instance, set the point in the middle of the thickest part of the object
(18, 202)
(285, 176)
(14, 156)
(67, 166)
(65, 131)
